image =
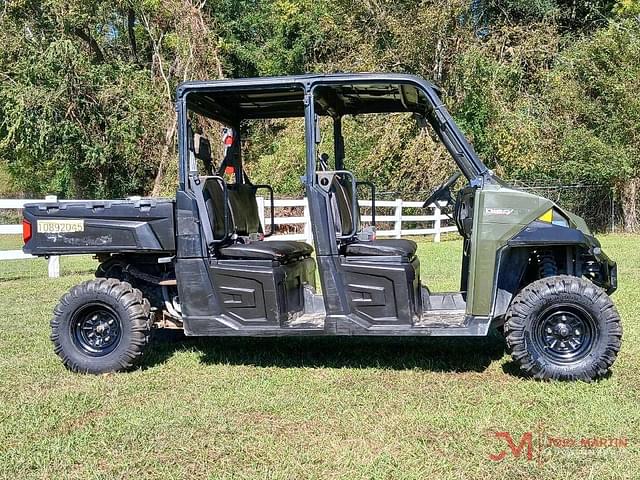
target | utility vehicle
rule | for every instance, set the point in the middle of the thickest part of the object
(201, 262)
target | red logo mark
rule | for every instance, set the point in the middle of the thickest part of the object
(526, 440)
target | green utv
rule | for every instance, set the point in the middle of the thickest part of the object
(201, 263)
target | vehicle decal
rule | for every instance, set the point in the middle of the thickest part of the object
(498, 211)
(60, 226)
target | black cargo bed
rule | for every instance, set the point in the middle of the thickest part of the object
(100, 226)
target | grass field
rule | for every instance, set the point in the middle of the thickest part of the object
(305, 408)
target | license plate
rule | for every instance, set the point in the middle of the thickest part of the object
(60, 226)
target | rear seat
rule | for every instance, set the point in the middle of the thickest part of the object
(280, 250)
(376, 248)
(244, 221)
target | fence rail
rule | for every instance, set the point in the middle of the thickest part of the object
(396, 220)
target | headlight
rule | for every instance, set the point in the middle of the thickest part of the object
(554, 217)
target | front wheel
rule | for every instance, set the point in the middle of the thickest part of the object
(101, 326)
(563, 328)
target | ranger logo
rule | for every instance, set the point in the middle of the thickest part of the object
(498, 211)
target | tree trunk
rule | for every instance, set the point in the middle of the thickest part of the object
(629, 198)
(164, 155)
(131, 22)
(94, 48)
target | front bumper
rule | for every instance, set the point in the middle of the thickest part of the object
(599, 268)
(606, 274)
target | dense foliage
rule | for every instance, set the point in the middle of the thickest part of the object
(545, 89)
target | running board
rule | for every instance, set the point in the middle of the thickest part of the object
(313, 315)
(442, 310)
(441, 318)
(443, 300)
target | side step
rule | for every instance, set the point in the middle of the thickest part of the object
(447, 309)
(313, 314)
(441, 318)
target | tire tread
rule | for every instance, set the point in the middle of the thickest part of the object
(519, 315)
(131, 299)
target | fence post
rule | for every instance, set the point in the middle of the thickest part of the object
(260, 201)
(308, 233)
(54, 266)
(436, 223)
(398, 221)
(54, 261)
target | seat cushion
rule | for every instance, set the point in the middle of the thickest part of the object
(387, 247)
(281, 250)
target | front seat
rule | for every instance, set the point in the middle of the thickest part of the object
(387, 247)
(344, 218)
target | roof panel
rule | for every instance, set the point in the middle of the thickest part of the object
(234, 100)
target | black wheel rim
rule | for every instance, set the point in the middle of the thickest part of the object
(565, 333)
(96, 329)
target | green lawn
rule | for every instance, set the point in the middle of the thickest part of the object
(304, 408)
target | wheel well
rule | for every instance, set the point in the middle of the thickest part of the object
(520, 266)
(143, 272)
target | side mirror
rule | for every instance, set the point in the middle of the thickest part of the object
(424, 124)
(202, 151)
(201, 147)
(421, 120)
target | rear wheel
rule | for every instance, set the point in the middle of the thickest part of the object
(564, 328)
(100, 326)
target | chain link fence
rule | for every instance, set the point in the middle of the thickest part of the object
(595, 203)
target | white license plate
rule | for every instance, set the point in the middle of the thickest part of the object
(60, 226)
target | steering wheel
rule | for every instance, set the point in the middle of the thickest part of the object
(443, 192)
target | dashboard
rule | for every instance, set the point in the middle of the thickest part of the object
(464, 211)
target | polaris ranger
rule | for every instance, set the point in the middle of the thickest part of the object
(201, 262)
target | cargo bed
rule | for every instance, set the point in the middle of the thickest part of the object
(99, 226)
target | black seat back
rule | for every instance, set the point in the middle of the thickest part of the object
(243, 216)
(342, 206)
(213, 193)
(244, 209)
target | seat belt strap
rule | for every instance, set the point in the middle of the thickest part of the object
(205, 221)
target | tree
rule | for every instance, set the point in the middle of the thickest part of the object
(544, 89)
(86, 97)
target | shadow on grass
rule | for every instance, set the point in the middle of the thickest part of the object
(512, 368)
(424, 353)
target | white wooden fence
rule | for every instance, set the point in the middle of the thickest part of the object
(395, 221)
(9, 204)
(383, 222)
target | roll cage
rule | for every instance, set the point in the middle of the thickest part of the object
(336, 95)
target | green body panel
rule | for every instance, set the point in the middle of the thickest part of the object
(577, 221)
(499, 214)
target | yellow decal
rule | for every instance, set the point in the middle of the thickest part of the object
(60, 226)
(547, 216)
